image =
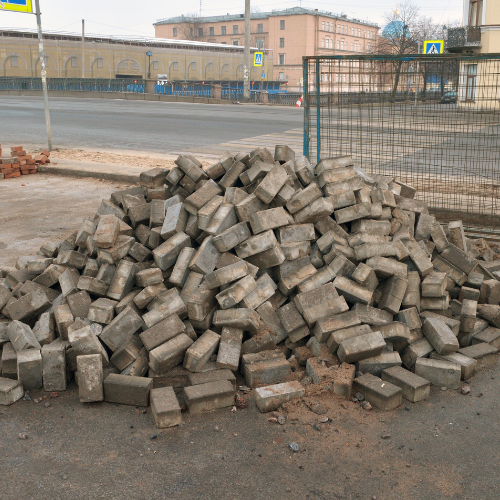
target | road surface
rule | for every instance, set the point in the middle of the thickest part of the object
(161, 127)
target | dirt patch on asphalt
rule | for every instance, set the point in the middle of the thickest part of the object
(144, 160)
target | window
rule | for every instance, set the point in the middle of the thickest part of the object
(74, 62)
(331, 44)
(210, 67)
(175, 32)
(338, 28)
(175, 66)
(200, 31)
(192, 66)
(338, 45)
(260, 43)
(191, 31)
(211, 31)
(282, 24)
(260, 28)
(352, 47)
(322, 42)
(222, 30)
(282, 76)
(155, 64)
(13, 62)
(282, 59)
(323, 25)
(235, 29)
(476, 13)
(327, 26)
(236, 42)
(282, 42)
(223, 43)
(99, 63)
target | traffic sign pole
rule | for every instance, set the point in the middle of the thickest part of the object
(44, 73)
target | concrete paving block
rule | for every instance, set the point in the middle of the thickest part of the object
(440, 336)
(127, 390)
(79, 304)
(205, 258)
(29, 368)
(22, 337)
(361, 347)
(377, 364)
(201, 350)
(163, 331)
(265, 289)
(270, 398)
(10, 391)
(267, 367)
(123, 280)
(372, 315)
(170, 353)
(324, 327)
(102, 311)
(414, 388)
(239, 318)
(54, 368)
(352, 291)
(207, 397)
(485, 355)
(127, 353)
(393, 294)
(272, 218)
(165, 407)
(439, 373)
(434, 285)
(232, 237)
(166, 254)
(84, 341)
(28, 306)
(384, 395)
(9, 361)
(121, 328)
(468, 365)
(490, 335)
(107, 231)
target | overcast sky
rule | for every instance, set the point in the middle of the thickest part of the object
(133, 18)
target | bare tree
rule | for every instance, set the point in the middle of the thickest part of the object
(191, 27)
(398, 38)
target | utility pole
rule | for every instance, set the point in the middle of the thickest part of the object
(83, 48)
(247, 62)
(44, 73)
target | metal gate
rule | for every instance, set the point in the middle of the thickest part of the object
(430, 121)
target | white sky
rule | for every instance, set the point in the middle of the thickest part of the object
(133, 18)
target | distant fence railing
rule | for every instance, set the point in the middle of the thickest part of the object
(229, 91)
(74, 84)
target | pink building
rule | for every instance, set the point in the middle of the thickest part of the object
(290, 34)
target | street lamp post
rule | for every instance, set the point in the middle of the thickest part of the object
(149, 54)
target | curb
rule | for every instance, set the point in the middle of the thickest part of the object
(107, 176)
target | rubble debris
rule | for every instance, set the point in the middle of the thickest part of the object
(21, 163)
(303, 279)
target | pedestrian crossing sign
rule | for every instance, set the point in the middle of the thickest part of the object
(257, 58)
(16, 5)
(433, 47)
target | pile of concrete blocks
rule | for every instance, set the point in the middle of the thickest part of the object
(262, 267)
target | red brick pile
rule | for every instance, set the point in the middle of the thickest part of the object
(20, 163)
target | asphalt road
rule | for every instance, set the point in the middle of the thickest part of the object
(138, 125)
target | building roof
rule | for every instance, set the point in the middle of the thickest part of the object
(293, 11)
(137, 41)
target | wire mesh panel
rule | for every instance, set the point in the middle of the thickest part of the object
(430, 121)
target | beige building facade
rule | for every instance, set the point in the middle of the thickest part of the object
(68, 57)
(479, 80)
(289, 34)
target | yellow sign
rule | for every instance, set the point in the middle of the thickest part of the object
(258, 58)
(16, 5)
(433, 47)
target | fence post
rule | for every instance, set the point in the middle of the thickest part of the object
(305, 65)
(318, 135)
